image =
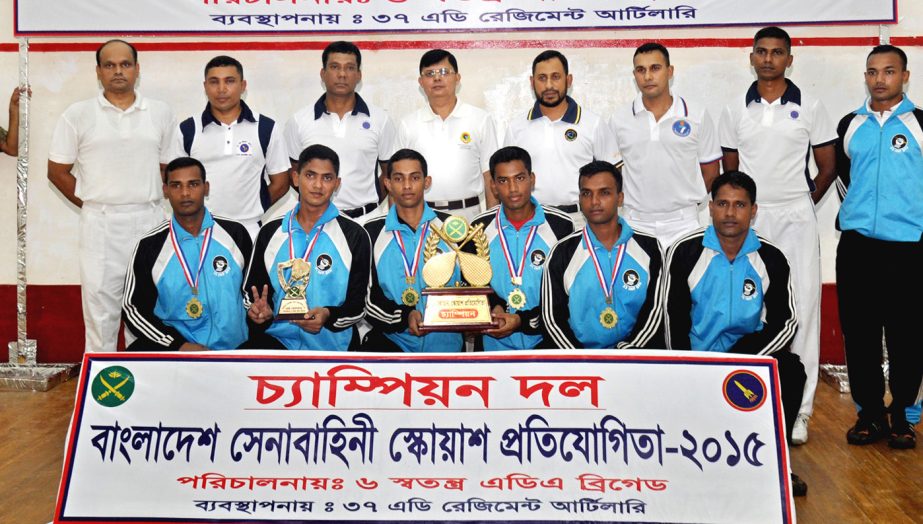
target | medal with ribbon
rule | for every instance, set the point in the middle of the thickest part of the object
(410, 296)
(607, 318)
(516, 299)
(194, 307)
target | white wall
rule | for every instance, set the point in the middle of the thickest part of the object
(282, 81)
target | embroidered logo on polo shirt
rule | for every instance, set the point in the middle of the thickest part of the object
(682, 128)
(570, 135)
(243, 148)
(466, 137)
(630, 280)
(538, 258)
(323, 264)
(794, 115)
(899, 143)
(220, 265)
(749, 291)
(366, 125)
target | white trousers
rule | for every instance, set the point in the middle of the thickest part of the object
(665, 227)
(108, 236)
(792, 227)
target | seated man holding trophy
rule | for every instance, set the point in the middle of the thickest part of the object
(182, 290)
(520, 233)
(309, 272)
(407, 313)
(601, 286)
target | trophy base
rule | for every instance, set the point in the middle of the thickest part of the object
(457, 309)
(288, 317)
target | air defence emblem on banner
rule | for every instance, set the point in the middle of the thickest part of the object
(744, 390)
(112, 386)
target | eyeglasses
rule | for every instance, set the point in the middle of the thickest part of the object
(441, 72)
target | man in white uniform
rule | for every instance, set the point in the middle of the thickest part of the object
(104, 158)
(670, 149)
(769, 134)
(455, 138)
(361, 134)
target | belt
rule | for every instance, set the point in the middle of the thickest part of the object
(359, 211)
(450, 205)
(567, 208)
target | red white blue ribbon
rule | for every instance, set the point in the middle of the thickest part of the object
(291, 243)
(410, 270)
(206, 240)
(504, 245)
(607, 289)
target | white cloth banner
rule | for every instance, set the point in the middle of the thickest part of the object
(550, 436)
(53, 17)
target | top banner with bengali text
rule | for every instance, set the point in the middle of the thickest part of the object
(640, 436)
(146, 17)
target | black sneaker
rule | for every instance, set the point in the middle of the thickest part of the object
(903, 436)
(799, 487)
(867, 432)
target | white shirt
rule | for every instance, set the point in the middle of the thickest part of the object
(457, 150)
(361, 139)
(235, 167)
(116, 154)
(661, 158)
(773, 140)
(559, 149)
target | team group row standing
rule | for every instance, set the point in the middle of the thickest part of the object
(105, 154)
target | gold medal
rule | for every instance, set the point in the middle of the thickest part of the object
(410, 297)
(608, 318)
(516, 299)
(194, 308)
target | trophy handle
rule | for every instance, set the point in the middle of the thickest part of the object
(280, 271)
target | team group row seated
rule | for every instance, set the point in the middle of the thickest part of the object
(641, 272)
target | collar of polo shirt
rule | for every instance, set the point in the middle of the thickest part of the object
(209, 118)
(571, 116)
(791, 94)
(320, 107)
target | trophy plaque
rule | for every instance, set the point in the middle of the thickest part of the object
(458, 306)
(294, 304)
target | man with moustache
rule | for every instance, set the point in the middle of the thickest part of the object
(456, 139)
(244, 151)
(183, 288)
(560, 135)
(104, 157)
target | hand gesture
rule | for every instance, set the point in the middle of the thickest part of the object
(260, 311)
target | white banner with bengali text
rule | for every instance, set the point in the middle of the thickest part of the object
(53, 17)
(640, 436)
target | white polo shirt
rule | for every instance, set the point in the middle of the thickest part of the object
(559, 149)
(236, 168)
(661, 158)
(361, 139)
(773, 140)
(116, 154)
(457, 150)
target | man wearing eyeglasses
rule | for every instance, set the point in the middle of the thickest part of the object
(361, 134)
(456, 139)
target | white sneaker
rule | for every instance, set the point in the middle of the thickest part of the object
(800, 431)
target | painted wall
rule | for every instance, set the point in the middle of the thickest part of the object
(282, 72)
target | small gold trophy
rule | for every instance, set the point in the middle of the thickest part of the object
(464, 305)
(294, 304)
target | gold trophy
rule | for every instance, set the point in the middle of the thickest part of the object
(462, 306)
(294, 304)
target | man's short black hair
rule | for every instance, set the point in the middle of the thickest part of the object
(773, 32)
(434, 56)
(225, 61)
(341, 46)
(650, 47)
(887, 48)
(99, 50)
(601, 166)
(509, 154)
(180, 163)
(548, 55)
(407, 154)
(320, 152)
(736, 179)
